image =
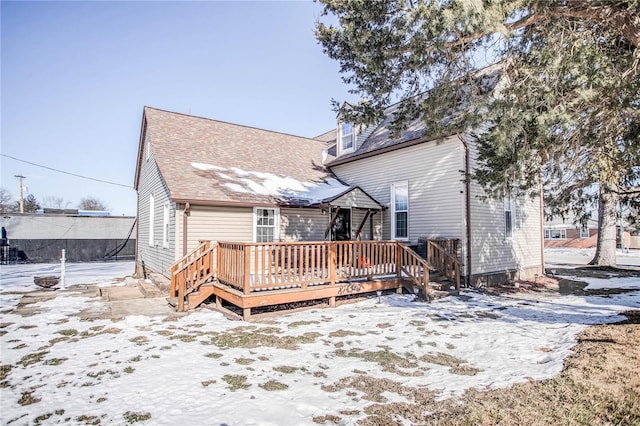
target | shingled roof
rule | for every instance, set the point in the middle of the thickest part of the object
(215, 162)
(378, 138)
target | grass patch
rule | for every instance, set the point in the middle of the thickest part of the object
(134, 417)
(273, 385)
(253, 337)
(129, 370)
(214, 355)
(208, 382)
(386, 359)
(441, 358)
(245, 361)
(328, 418)
(345, 333)
(55, 361)
(69, 332)
(27, 398)
(286, 369)
(5, 369)
(33, 358)
(88, 420)
(302, 323)
(140, 340)
(236, 382)
(186, 338)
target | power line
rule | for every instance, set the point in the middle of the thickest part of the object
(67, 173)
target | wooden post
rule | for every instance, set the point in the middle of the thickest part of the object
(246, 250)
(332, 302)
(246, 314)
(181, 285)
(218, 301)
(332, 261)
(398, 260)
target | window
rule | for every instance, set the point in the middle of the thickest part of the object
(152, 208)
(165, 226)
(400, 210)
(508, 217)
(266, 221)
(148, 148)
(346, 137)
(584, 232)
(555, 234)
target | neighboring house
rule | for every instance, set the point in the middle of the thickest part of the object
(570, 234)
(201, 179)
(84, 235)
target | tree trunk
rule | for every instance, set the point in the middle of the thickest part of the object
(607, 231)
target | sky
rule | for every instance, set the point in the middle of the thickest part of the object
(68, 364)
(76, 75)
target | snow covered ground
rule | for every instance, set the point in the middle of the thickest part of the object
(203, 368)
(573, 256)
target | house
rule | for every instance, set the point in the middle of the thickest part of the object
(246, 190)
(200, 179)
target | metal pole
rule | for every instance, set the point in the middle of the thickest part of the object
(21, 200)
(63, 271)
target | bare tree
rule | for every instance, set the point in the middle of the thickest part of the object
(92, 203)
(7, 204)
(54, 202)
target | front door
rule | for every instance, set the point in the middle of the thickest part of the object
(341, 230)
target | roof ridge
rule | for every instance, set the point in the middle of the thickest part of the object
(232, 124)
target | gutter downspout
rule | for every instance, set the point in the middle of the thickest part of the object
(187, 212)
(467, 182)
(542, 272)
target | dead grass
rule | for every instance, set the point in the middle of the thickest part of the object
(599, 385)
(253, 337)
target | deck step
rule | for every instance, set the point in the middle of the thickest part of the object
(172, 301)
(440, 285)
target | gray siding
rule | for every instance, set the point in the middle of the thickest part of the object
(432, 171)
(156, 257)
(303, 224)
(355, 198)
(492, 251)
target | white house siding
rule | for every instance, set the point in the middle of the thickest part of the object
(215, 223)
(492, 252)
(432, 171)
(156, 257)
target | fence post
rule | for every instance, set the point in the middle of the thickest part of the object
(332, 262)
(246, 250)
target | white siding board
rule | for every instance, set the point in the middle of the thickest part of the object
(219, 224)
(435, 183)
(355, 198)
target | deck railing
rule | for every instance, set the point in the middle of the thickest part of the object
(271, 266)
(253, 267)
(193, 270)
(442, 255)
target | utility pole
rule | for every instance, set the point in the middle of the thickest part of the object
(20, 177)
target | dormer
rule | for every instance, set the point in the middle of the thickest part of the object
(347, 133)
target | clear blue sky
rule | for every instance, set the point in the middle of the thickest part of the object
(76, 75)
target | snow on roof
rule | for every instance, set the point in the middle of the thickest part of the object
(269, 184)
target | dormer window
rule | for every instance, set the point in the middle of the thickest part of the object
(346, 137)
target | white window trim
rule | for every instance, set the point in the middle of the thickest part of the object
(342, 150)
(562, 231)
(584, 232)
(148, 148)
(152, 208)
(510, 206)
(165, 225)
(393, 209)
(276, 222)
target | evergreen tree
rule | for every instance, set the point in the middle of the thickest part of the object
(31, 204)
(569, 110)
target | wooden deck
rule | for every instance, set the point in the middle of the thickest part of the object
(250, 275)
